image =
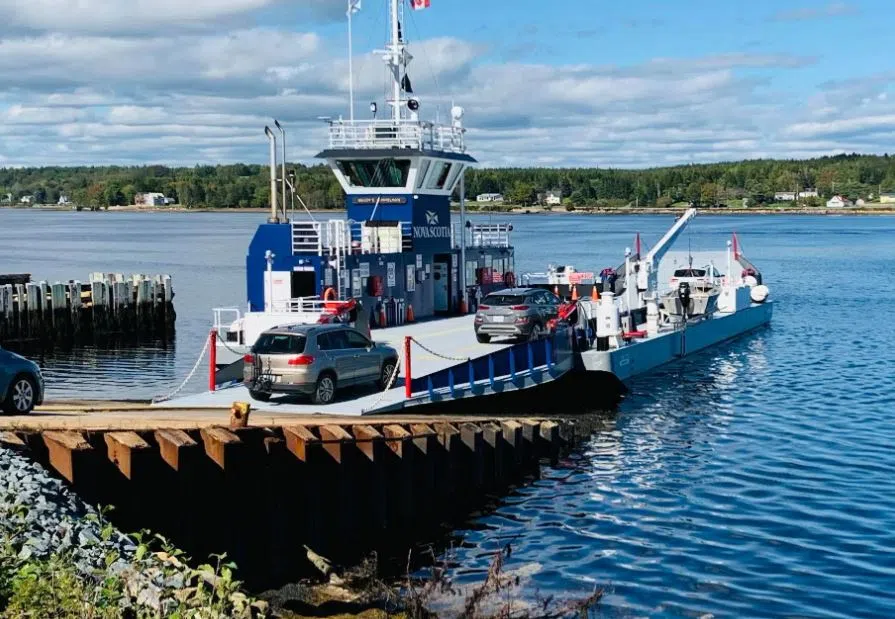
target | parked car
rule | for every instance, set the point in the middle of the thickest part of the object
(516, 312)
(316, 360)
(21, 384)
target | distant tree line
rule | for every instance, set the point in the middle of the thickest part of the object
(241, 185)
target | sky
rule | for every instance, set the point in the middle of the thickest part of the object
(575, 83)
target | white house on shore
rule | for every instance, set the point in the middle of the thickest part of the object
(26, 200)
(489, 197)
(839, 202)
(151, 199)
(553, 198)
(887, 198)
(63, 200)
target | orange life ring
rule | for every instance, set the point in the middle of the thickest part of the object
(329, 294)
(509, 279)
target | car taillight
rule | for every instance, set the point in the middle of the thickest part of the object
(249, 358)
(519, 308)
(484, 307)
(301, 360)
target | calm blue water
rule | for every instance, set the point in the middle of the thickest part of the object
(756, 479)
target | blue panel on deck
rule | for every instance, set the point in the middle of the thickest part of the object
(276, 238)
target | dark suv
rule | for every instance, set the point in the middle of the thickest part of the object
(516, 312)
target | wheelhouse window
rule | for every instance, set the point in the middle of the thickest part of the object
(421, 174)
(375, 172)
(454, 174)
(438, 176)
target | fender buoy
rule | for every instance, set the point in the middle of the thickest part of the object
(329, 294)
(510, 280)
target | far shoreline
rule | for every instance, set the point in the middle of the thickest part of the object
(520, 211)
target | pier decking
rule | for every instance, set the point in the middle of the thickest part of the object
(264, 491)
(447, 364)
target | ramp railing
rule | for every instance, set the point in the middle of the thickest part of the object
(550, 357)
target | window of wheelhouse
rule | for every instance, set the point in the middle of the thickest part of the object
(456, 169)
(439, 175)
(421, 174)
(375, 172)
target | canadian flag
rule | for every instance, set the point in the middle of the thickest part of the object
(420, 4)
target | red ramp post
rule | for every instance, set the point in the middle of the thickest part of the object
(212, 359)
(408, 376)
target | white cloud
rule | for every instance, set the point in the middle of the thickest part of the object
(129, 86)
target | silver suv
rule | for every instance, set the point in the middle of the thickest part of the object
(315, 360)
(516, 312)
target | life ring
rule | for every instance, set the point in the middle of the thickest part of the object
(329, 294)
(509, 279)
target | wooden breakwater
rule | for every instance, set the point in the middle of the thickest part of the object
(107, 307)
(344, 487)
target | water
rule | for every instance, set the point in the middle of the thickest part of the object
(755, 479)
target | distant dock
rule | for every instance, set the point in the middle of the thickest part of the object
(107, 307)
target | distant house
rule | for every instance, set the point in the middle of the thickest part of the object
(6, 199)
(489, 197)
(792, 196)
(887, 198)
(553, 198)
(63, 200)
(838, 202)
(26, 200)
(151, 199)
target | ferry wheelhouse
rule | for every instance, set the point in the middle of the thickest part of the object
(398, 253)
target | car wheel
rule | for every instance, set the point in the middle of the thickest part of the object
(385, 377)
(261, 396)
(21, 397)
(535, 334)
(483, 338)
(325, 391)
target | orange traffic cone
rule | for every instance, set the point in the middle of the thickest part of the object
(595, 295)
(574, 292)
(410, 317)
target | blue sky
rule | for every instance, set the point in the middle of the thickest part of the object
(580, 83)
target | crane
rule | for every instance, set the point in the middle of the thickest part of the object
(648, 267)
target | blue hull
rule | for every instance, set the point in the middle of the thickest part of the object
(645, 355)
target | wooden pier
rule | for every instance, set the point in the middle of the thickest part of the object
(261, 491)
(105, 307)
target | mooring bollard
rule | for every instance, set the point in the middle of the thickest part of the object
(212, 359)
(408, 388)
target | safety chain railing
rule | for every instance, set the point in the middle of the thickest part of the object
(188, 378)
(437, 354)
(388, 387)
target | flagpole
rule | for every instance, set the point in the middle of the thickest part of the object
(350, 63)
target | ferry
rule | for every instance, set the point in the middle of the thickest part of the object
(399, 257)
(398, 254)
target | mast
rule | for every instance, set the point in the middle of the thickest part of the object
(395, 56)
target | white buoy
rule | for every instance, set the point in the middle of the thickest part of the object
(760, 294)
(750, 281)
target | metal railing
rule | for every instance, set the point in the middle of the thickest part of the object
(482, 235)
(337, 238)
(390, 134)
